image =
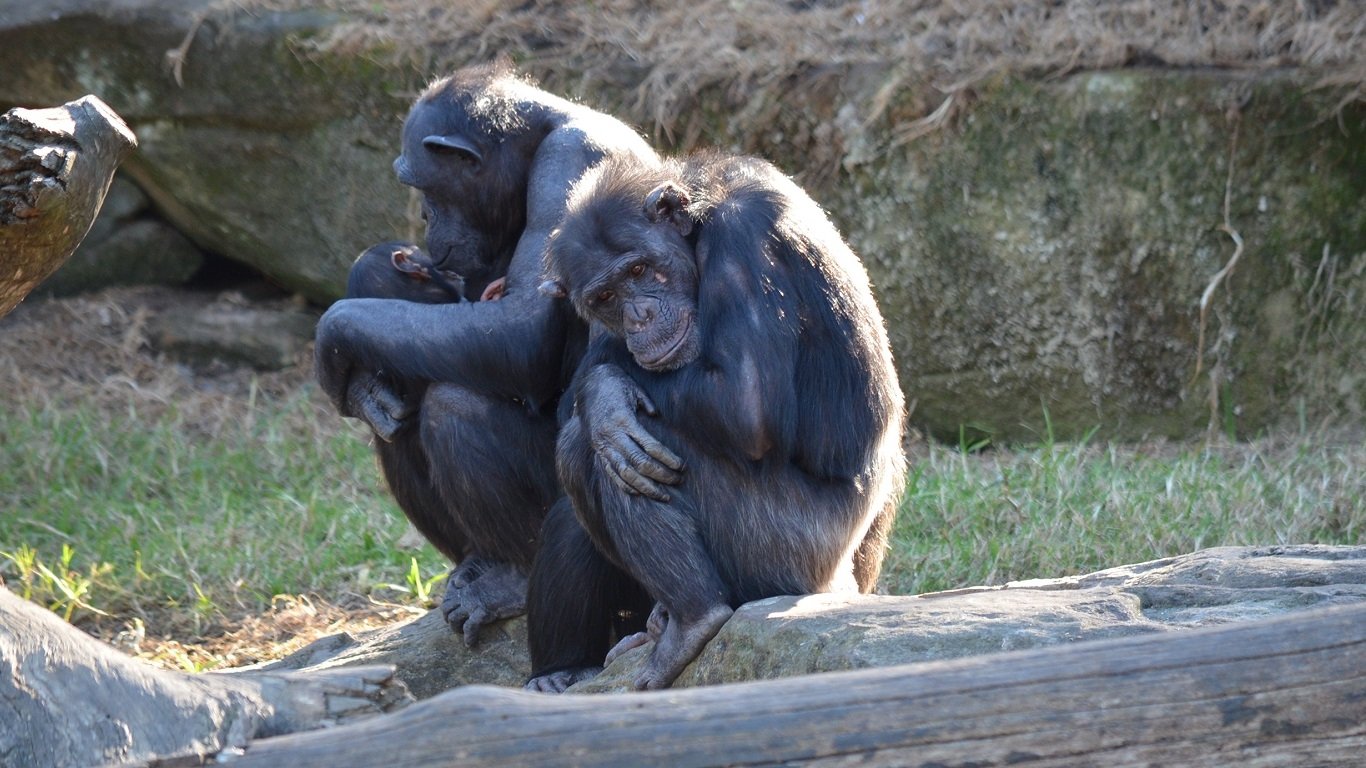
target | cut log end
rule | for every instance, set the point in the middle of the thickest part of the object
(55, 168)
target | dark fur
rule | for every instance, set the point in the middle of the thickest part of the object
(789, 419)
(472, 461)
(374, 276)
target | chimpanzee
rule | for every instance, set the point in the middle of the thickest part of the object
(396, 270)
(726, 305)
(494, 158)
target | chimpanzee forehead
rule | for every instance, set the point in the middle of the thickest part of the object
(435, 118)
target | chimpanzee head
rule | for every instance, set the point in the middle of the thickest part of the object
(397, 270)
(468, 144)
(624, 257)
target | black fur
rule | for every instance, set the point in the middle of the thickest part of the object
(468, 391)
(788, 415)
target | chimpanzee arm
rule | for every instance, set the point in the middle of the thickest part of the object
(511, 347)
(742, 393)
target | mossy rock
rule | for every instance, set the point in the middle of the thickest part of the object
(1041, 263)
(1040, 254)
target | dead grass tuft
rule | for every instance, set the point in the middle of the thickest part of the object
(676, 51)
(92, 350)
(292, 622)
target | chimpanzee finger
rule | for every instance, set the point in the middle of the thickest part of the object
(476, 621)
(638, 484)
(455, 611)
(653, 469)
(644, 402)
(657, 450)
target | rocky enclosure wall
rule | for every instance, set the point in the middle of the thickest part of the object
(1040, 246)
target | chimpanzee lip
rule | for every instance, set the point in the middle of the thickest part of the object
(661, 363)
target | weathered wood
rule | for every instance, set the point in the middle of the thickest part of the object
(55, 167)
(67, 699)
(1286, 691)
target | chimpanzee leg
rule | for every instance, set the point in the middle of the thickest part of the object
(404, 464)
(492, 463)
(659, 543)
(577, 600)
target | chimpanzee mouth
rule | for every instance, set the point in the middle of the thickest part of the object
(677, 354)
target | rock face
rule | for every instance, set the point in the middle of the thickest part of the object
(1041, 248)
(1051, 253)
(254, 148)
(786, 636)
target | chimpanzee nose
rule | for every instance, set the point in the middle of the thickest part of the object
(638, 315)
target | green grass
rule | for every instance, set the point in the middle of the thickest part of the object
(150, 511)
(1050, 510)
(132, 509)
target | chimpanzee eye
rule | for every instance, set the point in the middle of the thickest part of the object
(605, 296)
(637, 270)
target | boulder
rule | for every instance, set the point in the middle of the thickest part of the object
(788, 636)
(232, 332)
(1142, 252)
(252, 147)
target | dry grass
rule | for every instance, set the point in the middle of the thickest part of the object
(92, 350)
(675, 51)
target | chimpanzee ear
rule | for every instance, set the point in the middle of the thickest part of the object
(453, 145)
(553, 288)
(399, 258)
(669, 202)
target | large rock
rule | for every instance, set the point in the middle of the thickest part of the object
(1041, 248)
(254, 147)
(786, 636)
(1046, 258)
(430, 657)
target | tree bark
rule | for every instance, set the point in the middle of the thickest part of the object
(55, 168)
(1285, 691)
(67, 699)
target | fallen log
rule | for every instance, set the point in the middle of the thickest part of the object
(55, 168)
(66, 699)
(1285, 691)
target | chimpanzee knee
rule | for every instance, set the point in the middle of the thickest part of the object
(497, 468)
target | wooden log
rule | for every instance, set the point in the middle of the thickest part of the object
(67, 699)
(1285, 691)
(55, 168)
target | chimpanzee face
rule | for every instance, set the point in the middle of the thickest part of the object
(623, 259)
(473, 192)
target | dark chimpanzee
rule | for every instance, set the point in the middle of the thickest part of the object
(726, 305)
(396, 270)
(494, 159)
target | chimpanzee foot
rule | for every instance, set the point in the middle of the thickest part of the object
(371, 399)
(678, 644)
(625, 644)
(557, 682)
(654, 628)
(480, 592)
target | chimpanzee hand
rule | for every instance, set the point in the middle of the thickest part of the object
(370, 399)
(635, 461)
(481, 591)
